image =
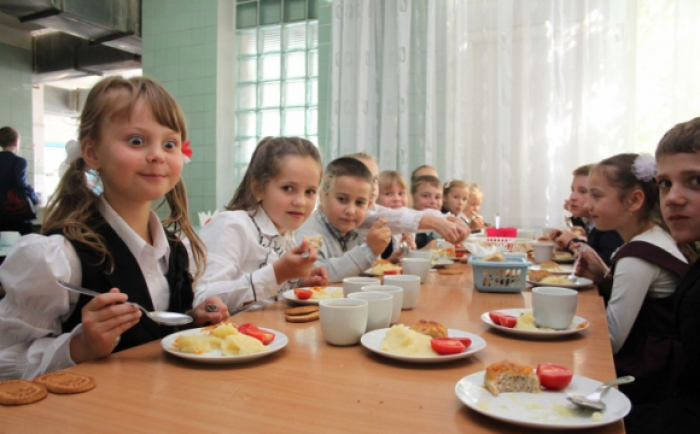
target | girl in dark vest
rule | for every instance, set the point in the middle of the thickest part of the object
(131, 139)
(623, 196)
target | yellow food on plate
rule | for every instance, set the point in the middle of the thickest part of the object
(197, 344)
(430, 328)
(556, 280)
(322, 293)
(562, 256)
(507, 376)
(550, 266)
(402, 340)
(224, 337)
(526, 321)
(382, 265)
(537, 275)
(240, 344)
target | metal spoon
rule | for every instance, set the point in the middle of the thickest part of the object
(572, 277)
(594, 401)
(403, 247)
(159, 316)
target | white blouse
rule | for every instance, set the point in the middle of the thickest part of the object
(31, 314)
(635, 280)
(241, 248)
(400, 221)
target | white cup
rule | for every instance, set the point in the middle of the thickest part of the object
(396, 298)
(417, 267)
(355, 284)
(420, 254)
(8, 238)
(411, 288)
(343, 320)
(380, 308)
(543, 251)
(554, 307)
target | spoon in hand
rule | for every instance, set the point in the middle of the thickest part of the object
(572, 277)
(159, 316)
(594, 401)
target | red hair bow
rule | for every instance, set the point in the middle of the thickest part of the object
(186, 149)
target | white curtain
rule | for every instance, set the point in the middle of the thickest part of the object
(511, 94)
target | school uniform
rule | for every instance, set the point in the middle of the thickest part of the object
(400, 221)
(38, 318)
(241, 248)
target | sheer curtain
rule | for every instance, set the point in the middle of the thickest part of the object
(510, 94)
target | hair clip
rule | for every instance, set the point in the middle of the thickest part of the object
(644, 167)
(186, 152)
(447, 185)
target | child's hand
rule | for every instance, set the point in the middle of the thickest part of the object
(292, 265)
(203, 315)
(563, 239)
(408, 239)
(378, 237)
(462, 228)
(591, 266)
(477, 223)
(432, 245)
(317, 277)
(104, 319)
(446, 228)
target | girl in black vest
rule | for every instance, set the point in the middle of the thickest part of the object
(623, 196)
(131, 140)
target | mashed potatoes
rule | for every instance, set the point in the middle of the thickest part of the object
(556, 280)
(526, 321)
(402, 340)
(321, 293)
(225, 337)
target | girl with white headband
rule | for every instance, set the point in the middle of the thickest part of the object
(131, 138)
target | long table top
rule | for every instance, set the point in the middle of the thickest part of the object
(310, 386)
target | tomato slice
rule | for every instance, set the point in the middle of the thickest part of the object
(553, 376)
(465, 341)
(503, 319)
(254, 332)
(391, 272)
(447, 346)
(496, 317)
(303, 294)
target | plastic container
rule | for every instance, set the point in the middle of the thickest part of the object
(506, 277)
(502, 232)
(523, 245)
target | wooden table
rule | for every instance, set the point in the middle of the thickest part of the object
(312, 387)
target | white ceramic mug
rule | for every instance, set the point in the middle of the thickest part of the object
(343, 320)
(380, 307)
(420, 254)
(416, 267)
(355, 284)
(411, 288)
(396, 294)
(554, 307)
(543, 251)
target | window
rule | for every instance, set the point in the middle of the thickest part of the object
(276, 73)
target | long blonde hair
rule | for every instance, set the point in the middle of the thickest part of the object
(74, 203)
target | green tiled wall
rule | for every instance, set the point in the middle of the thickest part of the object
(16, 98)
(179, 50)
(325, 8)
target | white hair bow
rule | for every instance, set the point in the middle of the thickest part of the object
(72, 154)
(644, 167)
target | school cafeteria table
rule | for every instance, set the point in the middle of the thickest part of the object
(310, 386)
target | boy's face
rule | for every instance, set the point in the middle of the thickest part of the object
(679, 190)
(428, 196)
(394, 197)
(579, 195)
(345, 205)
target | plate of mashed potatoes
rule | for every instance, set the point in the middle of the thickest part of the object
(401, 343)
(221, 344)
(525, 325)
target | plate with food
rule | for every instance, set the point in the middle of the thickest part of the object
(522, 322)
(414, 344)
(225, 343)
(312, 294)
(383, 267)
(442, 262)
(552, 267)
(558, 281)
(532, 405)
(563, 257)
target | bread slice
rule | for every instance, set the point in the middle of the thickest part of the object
(430, 328)
(550, 265)
(494, 257)
(507, 376)
(537, 275)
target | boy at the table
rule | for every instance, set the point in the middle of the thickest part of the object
(346, 190)
(678, 160)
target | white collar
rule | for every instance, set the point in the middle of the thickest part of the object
(267, 226)
(136, 244)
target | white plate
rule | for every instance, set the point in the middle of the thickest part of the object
(565, 269)
(215, 356)
(373, 339)
(581, 282)
(443, 262)
(289, 295)
(534, 333)
(548, 409)
(564, 261)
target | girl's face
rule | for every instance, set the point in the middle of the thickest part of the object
(456, 200)
(579, 195)
(427, 196)
(679, 188)
(607, 211)
(394, 197)
(139, 160)
(290, 198)
(473, 205)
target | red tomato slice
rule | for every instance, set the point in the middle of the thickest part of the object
(447, 346)
(254, 332)
(496, 317)
(459, 254)
(303, 294)
(391, 272)
(508, 321)
(553, 377)
(465, 341)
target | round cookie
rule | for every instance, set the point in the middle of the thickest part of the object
(20, 392)
(301, 310)
(313, 316)
(64, 382)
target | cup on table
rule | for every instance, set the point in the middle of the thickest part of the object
(411, 288)
(554, 307)
(396, 298)
(380, 307)
(543, 251)
(8, 238)
(343, 320)
(354, 284)
(417, 267)
(420, 254)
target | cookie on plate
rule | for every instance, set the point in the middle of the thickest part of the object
(20, 392)
(64, 382)
(313, 316)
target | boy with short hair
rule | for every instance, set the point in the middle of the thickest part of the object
(346, 191)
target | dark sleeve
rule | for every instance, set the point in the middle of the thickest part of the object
(605, 244)
(676, 415)
(20, 169)
(421, 240)
(689, 328)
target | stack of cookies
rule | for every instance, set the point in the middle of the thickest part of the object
(301, 314)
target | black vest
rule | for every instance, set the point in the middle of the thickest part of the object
(127, 276)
